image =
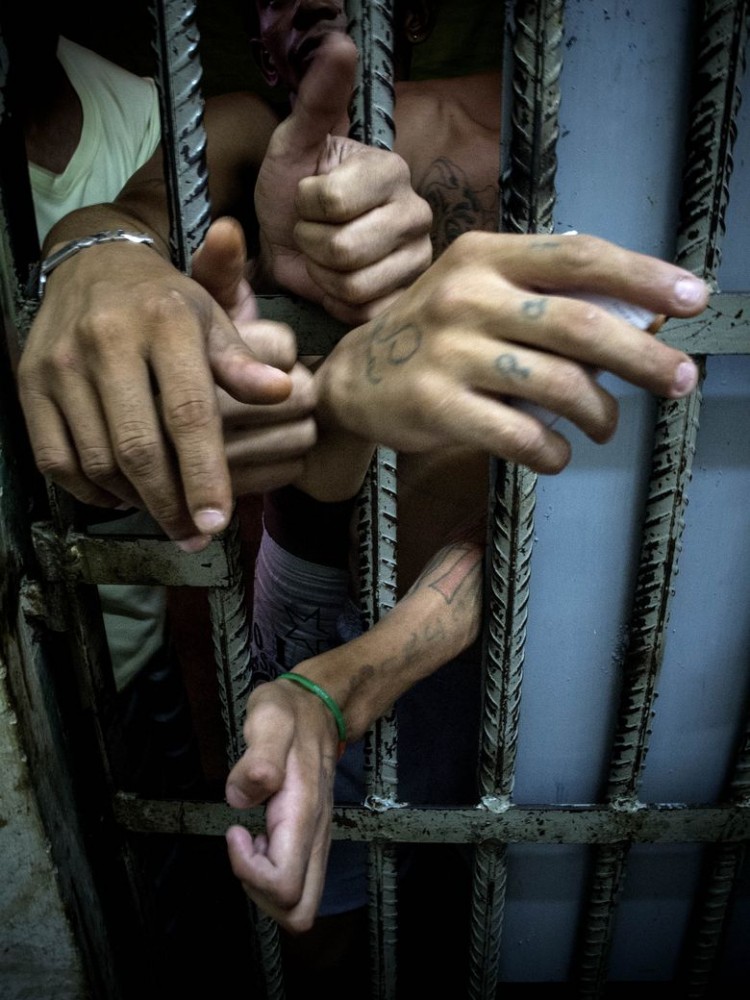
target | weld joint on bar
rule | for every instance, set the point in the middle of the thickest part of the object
(627, 804)
(495, 803)
(376, 803)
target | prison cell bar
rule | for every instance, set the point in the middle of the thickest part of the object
(725, 824)
(721, 62)
(705, 188)
(179, 73)
(371, 28)
(527, 204)
(70, 605)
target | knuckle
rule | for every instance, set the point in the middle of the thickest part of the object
(37, 372)
(450, 301)
(159, 302)
(159, 305)
(352, 289)
(468, 246)
(138, 452)
(569, 382)
(528, 445)
(608, 419)
(54, 464)
(331, 199)
(191, 413)
(298, 923)
(398, 167)
(419, 402)
(583, 324)
(581, 254)
(288, 892)
(447, 353)
(343, 254)
(97, 464)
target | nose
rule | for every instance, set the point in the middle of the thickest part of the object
(310, 12)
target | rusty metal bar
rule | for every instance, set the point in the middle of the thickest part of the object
(184, 141)
(723, 328)
(705, 179)
(527, 208)
(529, 198)
(178, 77)
(595, 823)
(371, 27)
(722, 868)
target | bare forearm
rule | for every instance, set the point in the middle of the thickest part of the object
(238, 127)
(436, 620)
(336, 467)
(105, 216)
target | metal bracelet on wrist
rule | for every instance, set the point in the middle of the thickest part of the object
(41, 271)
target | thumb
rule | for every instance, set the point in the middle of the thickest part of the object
(324, 93)
(219, 264)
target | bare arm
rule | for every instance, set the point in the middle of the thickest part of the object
(118, 379)
(292, 739)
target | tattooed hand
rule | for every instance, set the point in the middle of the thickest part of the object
(492, 321)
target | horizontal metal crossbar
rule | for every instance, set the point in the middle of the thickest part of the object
(666, 823)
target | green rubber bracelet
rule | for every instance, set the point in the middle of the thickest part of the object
(327, 700)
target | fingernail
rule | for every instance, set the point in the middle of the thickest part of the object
(689, 291)
(209, 521)
(685, 378)
(195, 544)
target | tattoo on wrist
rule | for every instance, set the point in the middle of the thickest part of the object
(507, 364)
(389, 347)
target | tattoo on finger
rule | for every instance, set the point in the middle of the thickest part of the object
(534, 308)
(507, 364)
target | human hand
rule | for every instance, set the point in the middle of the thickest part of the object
(118, 386)
(340, 223)
(289, 764)
(493, 321)
(265, 444)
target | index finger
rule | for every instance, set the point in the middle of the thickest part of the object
(142, 439)
(187, 372)
(581, 263)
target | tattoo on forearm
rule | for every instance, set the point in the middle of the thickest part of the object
(534, 308)
(390, 347)
(456, 206)
(466, 560)
(507, 364)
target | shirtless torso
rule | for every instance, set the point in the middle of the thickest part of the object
(448, 131)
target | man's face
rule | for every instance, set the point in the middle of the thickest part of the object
(290, 32)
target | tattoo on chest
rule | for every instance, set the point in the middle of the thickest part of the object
(389, 347)
(457, 205)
